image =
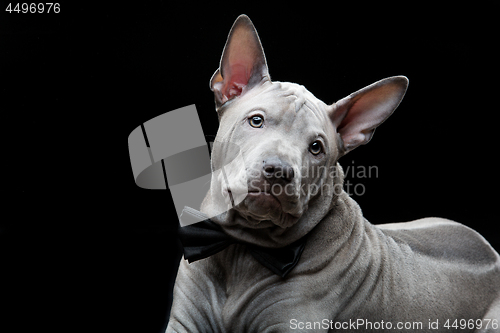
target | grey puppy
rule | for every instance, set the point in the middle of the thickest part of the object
(430, 274)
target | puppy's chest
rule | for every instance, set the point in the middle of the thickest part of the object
(241, 276)
(256, 298)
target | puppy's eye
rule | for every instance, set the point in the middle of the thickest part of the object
(315, 148)
(256, 121)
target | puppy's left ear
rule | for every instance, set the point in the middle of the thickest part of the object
(356, 116)
(242, 65)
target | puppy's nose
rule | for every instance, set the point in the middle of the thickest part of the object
(274, 167)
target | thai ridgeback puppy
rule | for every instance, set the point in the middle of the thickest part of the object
(332, 270)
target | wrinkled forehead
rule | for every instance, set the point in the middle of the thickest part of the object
(293, 103)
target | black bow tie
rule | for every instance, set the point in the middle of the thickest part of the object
(203, 239)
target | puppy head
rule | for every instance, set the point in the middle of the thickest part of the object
(277, 146)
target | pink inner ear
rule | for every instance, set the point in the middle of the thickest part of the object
(239, 75)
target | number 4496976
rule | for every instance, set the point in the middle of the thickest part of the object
(33, 7)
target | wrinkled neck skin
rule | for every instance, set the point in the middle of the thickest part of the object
(311, 210)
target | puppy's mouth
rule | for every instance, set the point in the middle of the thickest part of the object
(265, 197)
(261, 196)
(261, 206)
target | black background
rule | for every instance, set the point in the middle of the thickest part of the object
(82, 245)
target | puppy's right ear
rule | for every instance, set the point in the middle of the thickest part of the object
(242, 65)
